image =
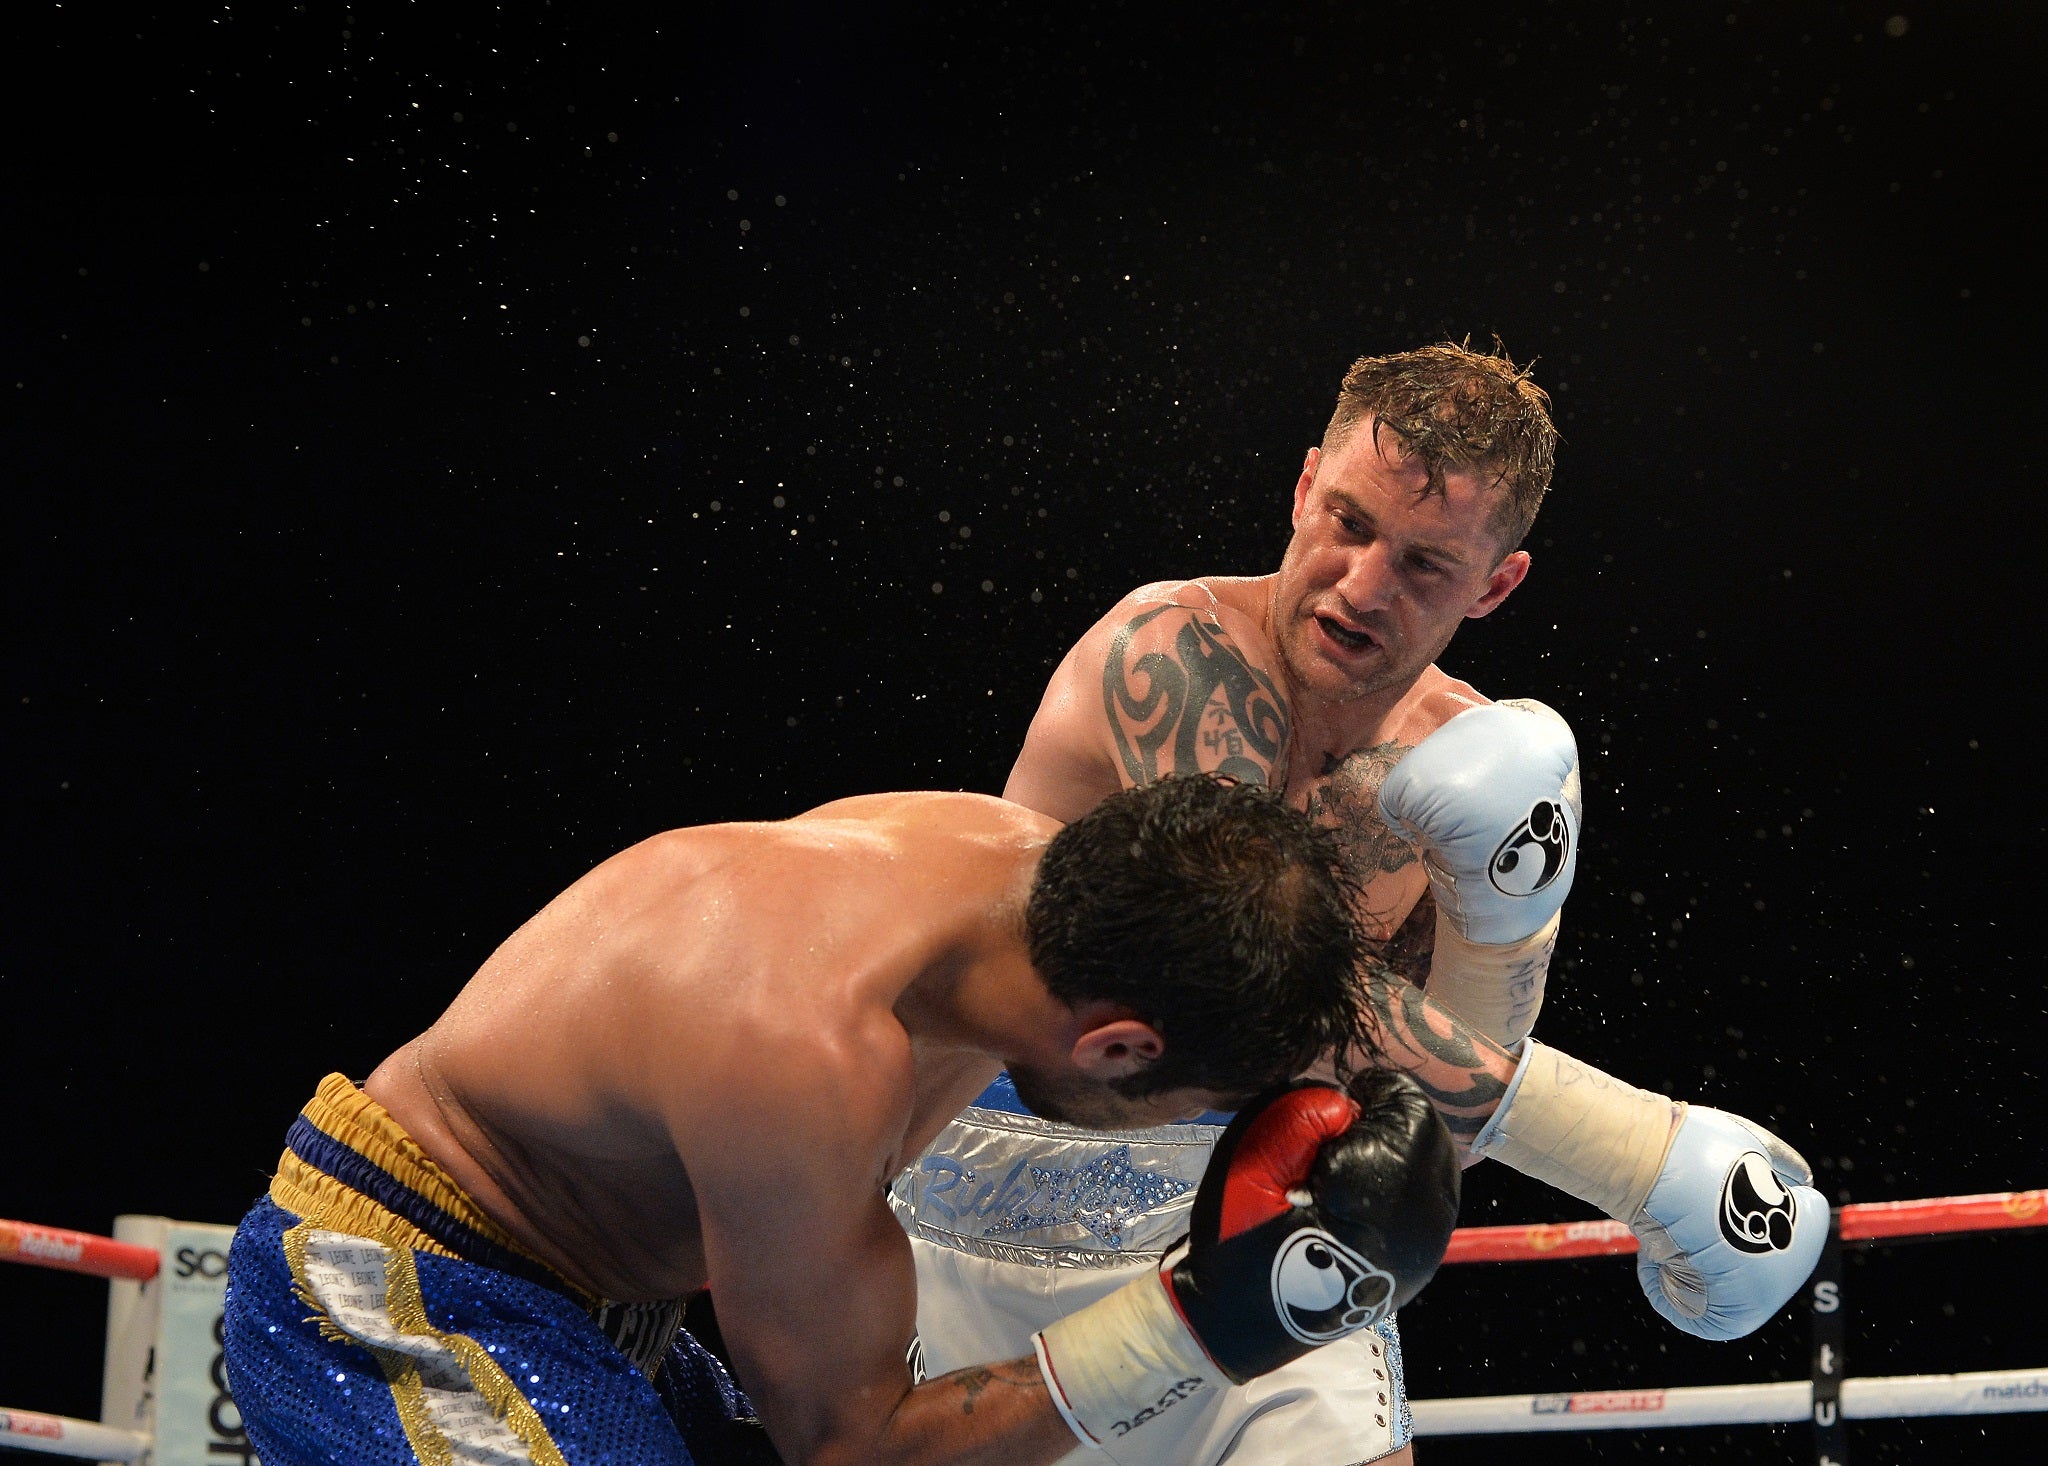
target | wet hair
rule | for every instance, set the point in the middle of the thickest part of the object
(1214, 913)
(1455, 408)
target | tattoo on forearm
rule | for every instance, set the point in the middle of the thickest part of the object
(1160, 730)
(1433, 1045)
(973, 1381)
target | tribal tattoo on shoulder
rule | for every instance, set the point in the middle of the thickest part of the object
(1201, 707)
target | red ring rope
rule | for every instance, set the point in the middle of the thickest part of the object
(83, 1252)
(75, 1252)
(1861, 1222)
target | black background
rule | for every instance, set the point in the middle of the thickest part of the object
(441, 451)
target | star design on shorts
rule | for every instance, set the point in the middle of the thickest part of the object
(1103, 1196)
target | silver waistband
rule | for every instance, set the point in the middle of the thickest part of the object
(1020, 1189)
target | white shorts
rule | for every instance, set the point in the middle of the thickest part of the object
(1016, 1221)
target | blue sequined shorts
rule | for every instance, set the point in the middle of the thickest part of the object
(376, 1317)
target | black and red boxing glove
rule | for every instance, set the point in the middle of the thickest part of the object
(1322, 1211)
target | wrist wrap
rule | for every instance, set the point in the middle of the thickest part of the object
(1584, 1132)
(1122, 1361)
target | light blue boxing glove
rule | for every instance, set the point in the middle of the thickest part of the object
(1726, 1220)
(1491, 803)
(1732, 1228)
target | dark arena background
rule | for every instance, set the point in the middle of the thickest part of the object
(443, 445)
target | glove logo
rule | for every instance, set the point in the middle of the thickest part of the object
(1322, 1290)
(1533, 853)
(1757, 1212)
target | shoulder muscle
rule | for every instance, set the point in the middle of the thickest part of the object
(1188, 688)
(1172, 680)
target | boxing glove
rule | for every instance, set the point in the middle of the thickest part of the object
(1727, 1223)
(1491, 803)
(1322, 1211)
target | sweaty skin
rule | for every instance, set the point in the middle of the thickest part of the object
(1315, 680)
(704, 1061)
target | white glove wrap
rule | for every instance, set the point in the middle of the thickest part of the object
(1588, 1134)
(1496, 987)
(1121, 1361)
(1726, 1219)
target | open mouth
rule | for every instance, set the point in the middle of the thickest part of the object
(1344, 636)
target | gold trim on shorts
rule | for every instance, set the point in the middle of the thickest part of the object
(341, 1110)
(425, 1367)
(452, 1398)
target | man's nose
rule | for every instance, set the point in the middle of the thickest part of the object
(1368, 583)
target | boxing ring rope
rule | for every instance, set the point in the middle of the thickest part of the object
(1826, 1399)
(1860, 1222)
(76, 1252)
(60, 1435)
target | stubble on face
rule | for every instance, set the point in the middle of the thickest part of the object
(1088, 1104)
(1395, 666)
(1066, 1100)
(1387, 488)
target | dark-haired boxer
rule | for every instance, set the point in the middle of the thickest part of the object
(1458, 817)
(701, 1064)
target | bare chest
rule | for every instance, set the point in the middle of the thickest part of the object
(1341, 793)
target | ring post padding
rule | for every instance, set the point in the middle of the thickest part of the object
(127, 1388)
(164, 1368)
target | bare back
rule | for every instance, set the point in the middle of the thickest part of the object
(709, 1009)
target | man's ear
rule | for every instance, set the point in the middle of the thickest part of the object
(1302, 484)
(1501, 584)
(1117, 1048)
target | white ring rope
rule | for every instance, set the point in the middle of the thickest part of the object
(60, 1435)
(1895, 1397)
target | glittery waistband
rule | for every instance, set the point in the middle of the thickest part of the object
(349, 1164)
(1012, 1187)
(1002, 1095)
